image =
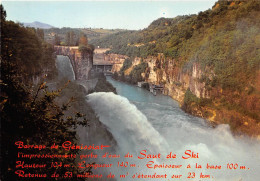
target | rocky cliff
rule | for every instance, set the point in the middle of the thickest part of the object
(208, 61)
(186, 85)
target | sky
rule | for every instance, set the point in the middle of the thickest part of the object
(132, 15)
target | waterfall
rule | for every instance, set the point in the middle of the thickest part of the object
(133, 133)
(127, 123)
(65, 69)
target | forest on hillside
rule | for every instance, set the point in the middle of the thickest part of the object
(30, 112)
(225, 38)
(224, 41)
(71, 36)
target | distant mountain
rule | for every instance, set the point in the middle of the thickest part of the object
(37, 24)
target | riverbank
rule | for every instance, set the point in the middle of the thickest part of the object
(217, 110)
(172, 130)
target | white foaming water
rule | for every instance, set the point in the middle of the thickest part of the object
(164, 128)
(65, 69)
(127, 124)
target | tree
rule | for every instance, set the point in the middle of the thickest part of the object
(57, 40)
(3, 13)
(86, 49)
(27, 114)
(35, 119)
(72, 38)
(67, 39)
(83, 40)
(40, 33)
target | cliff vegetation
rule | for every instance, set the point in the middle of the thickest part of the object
(209, 62)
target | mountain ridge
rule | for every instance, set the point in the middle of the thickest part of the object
(38, 24)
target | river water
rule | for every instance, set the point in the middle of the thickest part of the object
(139, 121)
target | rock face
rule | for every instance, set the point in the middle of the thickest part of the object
(81, 63)
(175, 80)
(182, 82)
(83, 66)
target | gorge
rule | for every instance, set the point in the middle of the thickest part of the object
(58, 109)
(135, 120)
(208, 62)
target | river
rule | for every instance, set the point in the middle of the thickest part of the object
(138, 121)
(143, 125)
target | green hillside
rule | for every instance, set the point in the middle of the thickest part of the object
(61, 33)
(224, 41)
(225, 38)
